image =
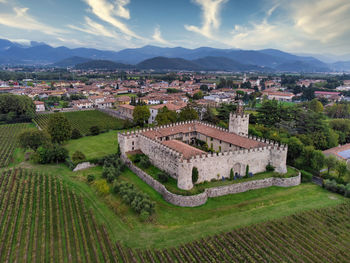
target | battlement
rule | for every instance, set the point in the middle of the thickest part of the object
(235, 115)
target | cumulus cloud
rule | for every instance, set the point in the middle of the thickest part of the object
(20, 19)
(109, 12)
(94, 28)
(157, 36)
(210, 17)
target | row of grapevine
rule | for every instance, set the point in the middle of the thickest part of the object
(43, 220)
(8, 141)
(83, 120)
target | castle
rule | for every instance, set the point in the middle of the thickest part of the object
(168, 147)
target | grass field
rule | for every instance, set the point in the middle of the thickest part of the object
(8, 141)
(94, 146)
(83, 120)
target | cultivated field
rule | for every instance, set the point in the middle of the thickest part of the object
(43, 220)
(8, 141)
(83, 120)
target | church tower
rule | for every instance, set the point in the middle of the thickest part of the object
(239, 121)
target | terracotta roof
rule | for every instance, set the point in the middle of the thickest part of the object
(38, 103)
(186, 150)
(170, 106)
(336, 150)
(130, 107)
(231, 138)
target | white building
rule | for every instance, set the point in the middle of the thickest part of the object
(39, 106)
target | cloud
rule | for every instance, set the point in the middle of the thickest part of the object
(22, 20)
(94, 28)
(157, 36)
(109, 12)
(307, 26)
(211, 20)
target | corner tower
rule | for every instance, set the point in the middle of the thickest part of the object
(239, 121)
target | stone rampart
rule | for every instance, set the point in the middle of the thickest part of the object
(201, 199)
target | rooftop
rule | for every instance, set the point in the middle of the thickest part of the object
(186, 150)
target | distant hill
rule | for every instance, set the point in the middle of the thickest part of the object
(162, 63)
(71, 62)
(341, 66)
(38, 53)
(102, 65)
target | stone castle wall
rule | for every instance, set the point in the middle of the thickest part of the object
(210, 166)
(201, 199)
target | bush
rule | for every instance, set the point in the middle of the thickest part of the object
(306, 176)
(50, 154)
(347, 190)
(76, 134)
(137, 158)
(94, 130)
(78, 157)
(270, 168)
(247, 171)
(145, 162)
(102, 186)
(90, 178)
(70, 164)
(194, 175)
(163, 177)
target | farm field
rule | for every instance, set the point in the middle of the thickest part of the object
(44, 218)
(83, 120)
(8, 140)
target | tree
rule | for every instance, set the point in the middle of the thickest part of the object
(59, 128)
(94, 130)
(166, 116)
(141, 115)
(194, 175)
(342, 169)
(316, 106)
(330, 162)
(295, 148)
(231, 174)
(16, 108)
(78, 157)
(204, 88)
(188, 113)
(210, 117)
(76, 134)
(33, 139)
(198, 95)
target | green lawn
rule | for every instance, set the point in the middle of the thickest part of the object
(94, 146)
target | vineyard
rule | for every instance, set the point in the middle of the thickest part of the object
(42, 220)
(83, 120)
(8, 141)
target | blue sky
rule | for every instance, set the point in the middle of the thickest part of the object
(299, 26)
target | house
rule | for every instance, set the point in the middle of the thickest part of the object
(39, 106)
(126, 112)
(82, 104)
(277, 95)
(340, 152)
(334, 96)
(175, 106)
(123, 100)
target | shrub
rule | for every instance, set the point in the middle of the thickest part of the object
(33, 139)
(305, 176)
(90, 178)
(145, 162)
(70, 164)
(232, 175)
(347, 190)
(137, 158)
(78, 157)
(247, 171)
(50, 154)
(163, 177)
(194, 175)
(270, 168)
(94, 130)
(102, 186)
(76, 134)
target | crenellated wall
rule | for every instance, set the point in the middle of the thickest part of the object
(201, 199)
(210, 166)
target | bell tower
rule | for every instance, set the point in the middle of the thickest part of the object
(239, 121)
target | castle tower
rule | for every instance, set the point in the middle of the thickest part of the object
(239, 121)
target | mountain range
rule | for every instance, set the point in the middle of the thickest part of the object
(158, 58)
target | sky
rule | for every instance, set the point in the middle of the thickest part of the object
(298, 26)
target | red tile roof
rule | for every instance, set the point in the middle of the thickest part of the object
(186, 150)
(231, 138)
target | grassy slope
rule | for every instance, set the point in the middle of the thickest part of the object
(173, 225)
(94, 146)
